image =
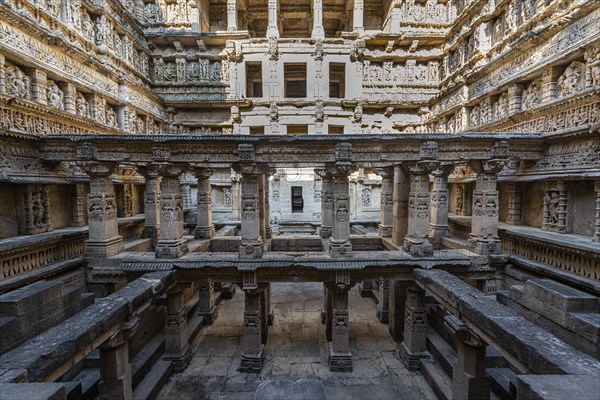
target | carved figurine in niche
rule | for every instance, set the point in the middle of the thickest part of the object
(551, 199)
(460, 198)
(82, 107)
(387, 71)
(204, 69)
(38, 209)
(100, 29)
(366, 197)
(87, 27)
(75, 8)
(215, 72)
(319, 112)
(594, 64)
(358, 113)
(110, 116)
(117, 45)
(474, 119)
(193, 71)
(570, 82)
(18, 83)
(152, 13)
(139, 125)
(53, 8)
(532, 95)
(501, 109)
(55, 96)
(367, 70)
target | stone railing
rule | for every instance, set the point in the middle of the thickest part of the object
(23, 254)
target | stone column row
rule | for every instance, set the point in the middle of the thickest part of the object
(257, 318)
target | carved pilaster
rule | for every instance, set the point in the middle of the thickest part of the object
(204, 226)
(416, 241)
(415, 326)
(272, 28)
(383, 306)
(514, 212)
(115, 369)
(232, 22)
(340, 357)
(252, 340)
(39, 84)
(400, 210)
(152, 205)
(206, 301)
(340, 238)
(597, 230)
(387, 202)
(439, 206)
(252, 244)
(78, 205)
(357, 16)
(2, 74)
(514, 98)
(177, 348)
(484, 226)
(318, 32)
(104, 239)
(549, 81)
(69, 99)
(326, 204)
(171, 243)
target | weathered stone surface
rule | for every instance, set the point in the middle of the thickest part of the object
(293, 390)
(557, 387)
(33, 391)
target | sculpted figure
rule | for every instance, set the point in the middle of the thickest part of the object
(595, 68)
(552, 201)
(18, 83)
(215, 72)
(55, 96)
(53, 7)
(38, 210)
(81, 106)
(273, 112)
(110, 116)
(531, 95)
(87, 26)
(459, 198)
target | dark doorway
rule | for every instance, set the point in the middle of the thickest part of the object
(297, 200)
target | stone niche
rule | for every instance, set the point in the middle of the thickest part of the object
(533, 204)
(582, 205)
(8, 212)
(33, 209)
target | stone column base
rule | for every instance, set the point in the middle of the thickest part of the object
(340, 249)
(411, 360)
(383, 316)
(210, 317)
(437, 233)
(171, 248)
(251, 250)
(417, 247)
(326, 232)
(339, 362)
(483, 246)
(252, 362)
(204, 232)
(385, 231)
(180, 362)
(151, 232)
(104, 248)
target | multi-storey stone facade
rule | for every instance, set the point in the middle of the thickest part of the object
(434, 153)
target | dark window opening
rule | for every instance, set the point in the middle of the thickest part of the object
(254, 86)
(295, 80)
(337, 80)
(257, 130)
(297, 200)
(336, 129)
(297, 129)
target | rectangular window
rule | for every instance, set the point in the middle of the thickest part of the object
(254, 86)
(335, 129)
(297, 200)
(337, 80)
(294, 75)
(257, 130)
(297, 129)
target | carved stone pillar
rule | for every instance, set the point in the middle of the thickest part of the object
(78, 205)
(340, 237)
(597, 231)
(398, 290)
(204, 226)
(439, 206)
(70, 94)
(514, 98)
(357, 16)
(177, 348)
(262, 208)
(252, 341)
(39, 83)
(383, 307)
(387, 202)
(252, 244)
(186, 195)
(549, 80)
(400, 210)
(104, 239)
(469, 379)
(171, 243)
(318, 32)
(267, 218)
(206, 301)
(555, 207)
(324, 307)
(152, 206)
(232, 20)
(115, 369)
(272, 28)
(340, 357)
(484, 223)
(415, 326)
(326, 205)
(365, 288)
(2, 74)
(416, 241)
(514, 214)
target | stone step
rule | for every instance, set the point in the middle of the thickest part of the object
(146, 358)
(562, 297)
(453, 243)
(504, 382)
(138, 245)
(154, 381)
(73, 390)
(440, 383)
(441, 351)
(359, 230)
(89, 379)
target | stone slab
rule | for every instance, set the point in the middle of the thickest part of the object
(24, 299)
(557, 387)
(33, 391)
(561, 296)
(290, 390)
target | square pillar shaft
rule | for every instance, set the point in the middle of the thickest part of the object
(484, 226)
(115, 373)
(416, 241)
(272, 19)
(204, 225)
(152, 208)
(415, 326)
(357, 16)
(340, 357)
(252, 341)
(514, 216)
(177, 348)
(400, 210)
(469, 379)
(398, 290)
(206, 301)
(171, 243)
(232, 20)
(387, 205)
(439, 208)
(318, 32)
(326, 207)
(251, 246)
(383, 307)
(340, 237)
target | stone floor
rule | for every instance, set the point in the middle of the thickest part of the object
(297, 350)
